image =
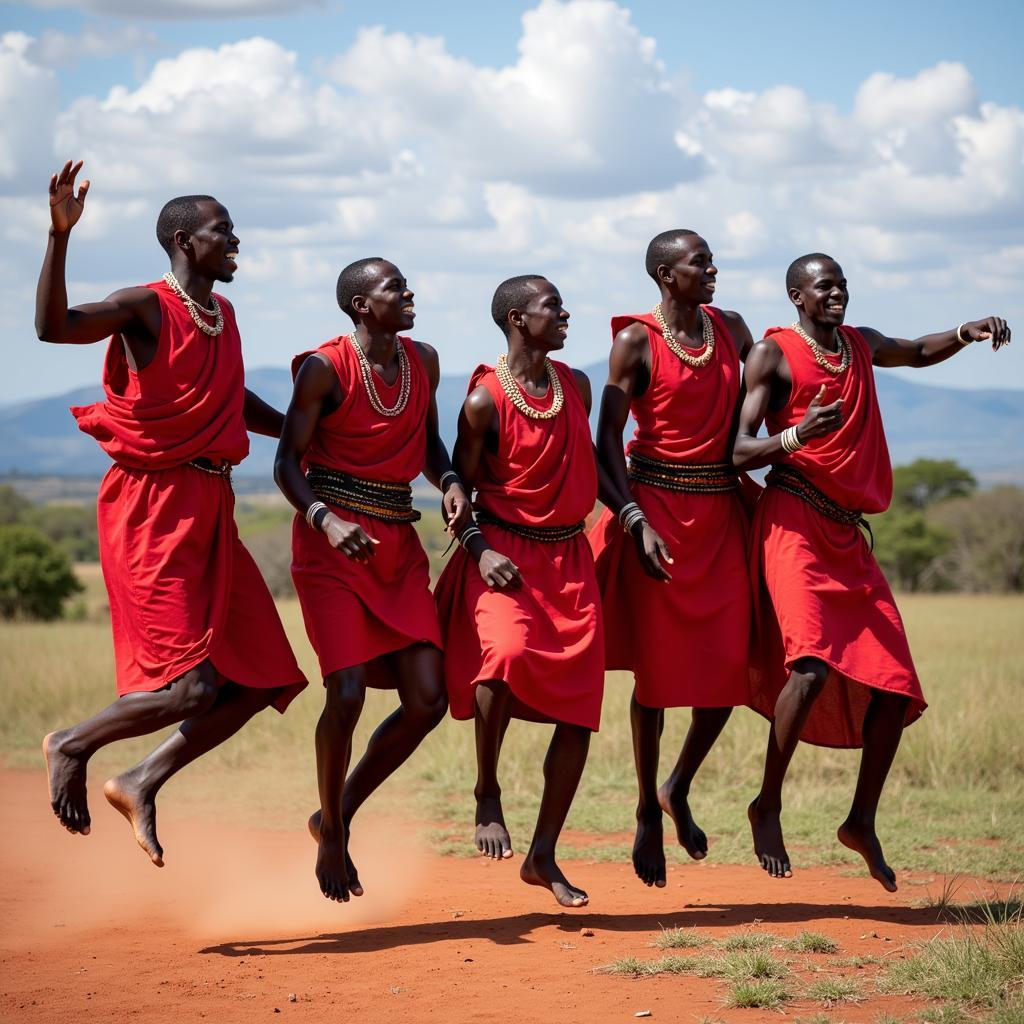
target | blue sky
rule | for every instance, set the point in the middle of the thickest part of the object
(470, 141)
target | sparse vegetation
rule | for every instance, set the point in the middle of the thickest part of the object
(765, 994)
(835, 990)
(812, 942)
(679, 938)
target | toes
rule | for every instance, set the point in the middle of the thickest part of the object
(506, 852)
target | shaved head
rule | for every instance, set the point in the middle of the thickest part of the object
(357, 279)
(800, 269)
(664, 248)
(514, 293)
(179, 214)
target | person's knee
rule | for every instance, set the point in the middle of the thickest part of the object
(428, 708)
(809, 676)
(346, 692)
(195, 692)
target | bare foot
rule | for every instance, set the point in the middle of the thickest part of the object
(67, 785)
(769, 847)
(492, 838)
(354, 888)
(649, 849)
(691, 837)
(126, 795)
(544, 871)
(865, 842)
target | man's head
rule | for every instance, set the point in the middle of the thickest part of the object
(198, 230)
(817, 287)
(374, 289)
(680, 263)
(531, 306)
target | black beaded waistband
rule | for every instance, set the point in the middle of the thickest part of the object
(390, 502)
(793, 482)
(692, 478)
(205, 465)
(545, 534)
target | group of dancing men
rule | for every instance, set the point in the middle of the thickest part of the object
(714, 592)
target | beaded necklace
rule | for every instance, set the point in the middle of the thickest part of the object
(821, 357)
(366, 372)
(707, 330)
(515, 395)
(195, 309)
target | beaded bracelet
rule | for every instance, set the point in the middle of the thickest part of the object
(626, 510)
(311, 512)
(791, 440)
(633, 517)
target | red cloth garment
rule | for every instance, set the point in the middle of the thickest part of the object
(686, 641)
(820, 592)
(182, 587)
(544, 639)
(355, 612)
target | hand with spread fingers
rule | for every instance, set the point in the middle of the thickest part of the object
(66, 207)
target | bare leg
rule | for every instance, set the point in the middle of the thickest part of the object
(706, 726)
(67, 751)
(648, 845)
(795, 701)
(883, 728)
(133, 793)
(491, 719)
(563, 767)
(346, 691)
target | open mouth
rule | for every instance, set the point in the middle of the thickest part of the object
(835, 307)
(408, 310)
(232, 257)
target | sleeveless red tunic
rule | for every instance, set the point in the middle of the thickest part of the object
(686, 641)
(826, 596)
(355, 612)
(182, 587)
(543, 639)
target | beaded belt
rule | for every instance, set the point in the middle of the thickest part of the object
(545, 534)
(205, 465)
(697, 478)
(374, 498)
(789, 480)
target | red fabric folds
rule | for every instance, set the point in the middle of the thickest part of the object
(543, 639)
(182, 587)
(819, 591)
(685, 641)
(355, 612)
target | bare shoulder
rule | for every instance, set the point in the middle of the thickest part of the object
(427, 353)
(874, 338)
(765, 357)
(740, 332)
(316, 368)
(134, 298)
(632, 338)
(479, 409)
(582, 380)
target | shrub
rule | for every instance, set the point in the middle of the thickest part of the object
(35, 575)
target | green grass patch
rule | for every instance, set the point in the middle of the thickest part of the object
(749, 940)
(811, 942)
(680, 938)
(835, 990)
(753, 964)
(764, 994)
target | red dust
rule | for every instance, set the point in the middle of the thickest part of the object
(234, 926)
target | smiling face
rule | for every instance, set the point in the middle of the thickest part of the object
(387, 300)
(212, 247)
(690, 277)
(542, 320)
(821, 294)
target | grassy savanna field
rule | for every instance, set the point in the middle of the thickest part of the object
(954, 802)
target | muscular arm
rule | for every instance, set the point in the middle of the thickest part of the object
(741, 336)
(931, 349)
(260, 417)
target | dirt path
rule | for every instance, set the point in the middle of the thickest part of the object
(234, 924)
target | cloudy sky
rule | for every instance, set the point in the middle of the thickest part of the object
(471, 141)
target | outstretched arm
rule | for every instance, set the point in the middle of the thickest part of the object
(131, 312)
(477, 419)
(437, 468)
(762, 371)
(935, 348)
(316, 392)
(628, 368)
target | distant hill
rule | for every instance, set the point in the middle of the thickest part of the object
(982, 430)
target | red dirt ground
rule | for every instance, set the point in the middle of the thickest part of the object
(234, 926)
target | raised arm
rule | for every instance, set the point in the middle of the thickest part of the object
(478, 419)
(437, 467)
(316, 393)
(132, 312)
(628, 376)
(765, 372)
(935, 348)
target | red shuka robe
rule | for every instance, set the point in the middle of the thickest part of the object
(687, 640)
(826, 595)
(355, 612)
(182, 587)
(543, 639)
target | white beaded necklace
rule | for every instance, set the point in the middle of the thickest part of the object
(707, 333)
(195, 309)
(366, 371)
(515, 395)
(821, 355)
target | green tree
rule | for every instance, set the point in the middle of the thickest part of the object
(925, 481)
(907, 545)
(13, 506)
(35, 575)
